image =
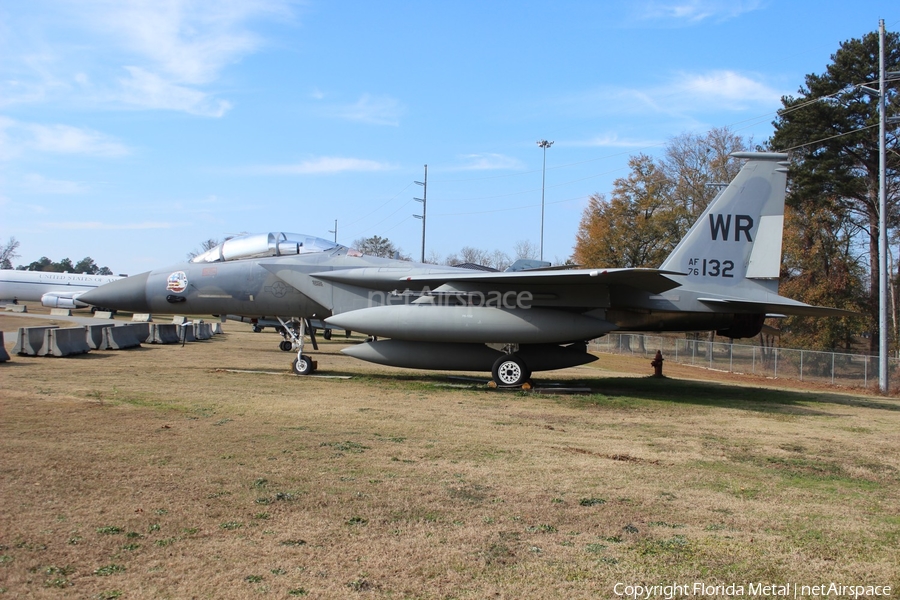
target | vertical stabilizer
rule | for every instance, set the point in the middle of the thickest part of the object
(738, 236)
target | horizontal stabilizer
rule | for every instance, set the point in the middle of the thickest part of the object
(782, 306)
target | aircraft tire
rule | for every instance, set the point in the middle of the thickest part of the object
(510, 371)
(302, 365)
(326, 334)
(285, 346)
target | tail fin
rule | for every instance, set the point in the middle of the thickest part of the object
(738, 236)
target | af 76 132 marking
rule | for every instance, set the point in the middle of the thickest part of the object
(711, 267)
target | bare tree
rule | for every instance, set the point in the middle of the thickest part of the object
(526, 249)
(379, 246)
(204, 246)
(476, 256)
(8, 253)
(500, 260)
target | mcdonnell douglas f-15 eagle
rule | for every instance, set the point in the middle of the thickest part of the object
(723, 276)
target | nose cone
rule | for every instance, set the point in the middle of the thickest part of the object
(128, 294)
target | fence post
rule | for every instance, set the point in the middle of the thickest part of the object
(801, 365)
(776, 364)
(731, 358)
(832, 368)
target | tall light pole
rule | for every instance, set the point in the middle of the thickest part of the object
(423, 200)
(543, 144)
(334, 231)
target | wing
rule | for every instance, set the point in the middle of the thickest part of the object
(654, 281)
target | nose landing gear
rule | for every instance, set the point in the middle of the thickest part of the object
(303, 364)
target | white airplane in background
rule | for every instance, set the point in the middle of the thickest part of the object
(55, 290)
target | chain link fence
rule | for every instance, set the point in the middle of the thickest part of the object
(852, 370)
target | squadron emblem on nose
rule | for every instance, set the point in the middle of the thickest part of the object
(177, 282)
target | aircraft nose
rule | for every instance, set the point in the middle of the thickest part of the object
(123, 294)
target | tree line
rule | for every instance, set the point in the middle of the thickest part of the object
(8, 252)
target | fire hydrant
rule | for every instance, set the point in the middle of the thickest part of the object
(657, 364)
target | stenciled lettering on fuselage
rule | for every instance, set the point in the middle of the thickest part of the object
(711, 267)
(722, 228)
(721, 225)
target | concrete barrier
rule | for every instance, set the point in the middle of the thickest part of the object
(186, 333)
(217, 328)
(179, 320)
(61, 312)
(142, 318)
(120, 338)
(94, 335)
(4, 355)
(17, 308)
(65, 341)
(103, 314)
(202, 331)
(164, 333)
(30, 340)
(143, 331)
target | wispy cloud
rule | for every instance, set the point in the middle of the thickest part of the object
(17, 137)
(488, 162)
(730, 86)
(189, 41)
(612, 140)
(100, 225)
(375, 110)
(149, 90)
(690, 12)
(683, 95)
(38, 184)
(325, 165)
(172, 51)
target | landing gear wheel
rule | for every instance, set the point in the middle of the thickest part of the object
(326, 334)
(286, 345)
(302, 365)
(510, 371)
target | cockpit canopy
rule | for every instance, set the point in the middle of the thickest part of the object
(258, 245)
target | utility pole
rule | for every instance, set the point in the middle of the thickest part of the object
(543, 144)
(423, 200)
(883, 333)
(334, 231)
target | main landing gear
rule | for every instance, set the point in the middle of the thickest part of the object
(303, 364)
(510, 371)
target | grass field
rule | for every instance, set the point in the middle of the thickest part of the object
(207, 471)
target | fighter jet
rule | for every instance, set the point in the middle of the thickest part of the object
(723, 276)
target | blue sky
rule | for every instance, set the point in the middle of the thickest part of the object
(130, 131)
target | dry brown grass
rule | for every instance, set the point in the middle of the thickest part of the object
(159, 473)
